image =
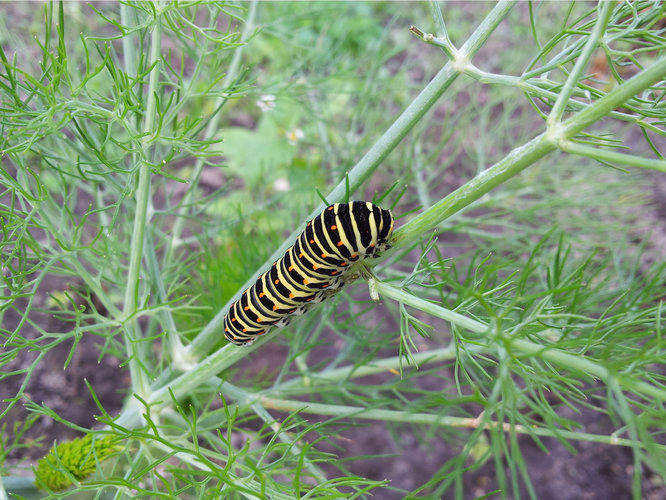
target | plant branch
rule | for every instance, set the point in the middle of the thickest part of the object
(613, 156)
(605, 10)
(613, 99)
(130, 305)
(538, 87)
(371, 160)
(384, 365)
(211, 130)
(344, 411)
(561, 358)
(524, 156)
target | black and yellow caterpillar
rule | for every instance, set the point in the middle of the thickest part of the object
(313, 266)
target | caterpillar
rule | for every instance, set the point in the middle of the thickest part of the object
(311, 269)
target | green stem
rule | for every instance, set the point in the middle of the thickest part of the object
(567, 91)
(524, 156)
(438, 19)
(166, 319)
(179, 354)
(512, 164)
(129, 50)
(557, 356)
(130, 304)
(211, 130)
(201, 373)
(328, 376)
(408, 299)
(582, 364)
(344, 411)
(614, 99)
(538, 87)
(385, 365)
(372, 159)
(613, 156)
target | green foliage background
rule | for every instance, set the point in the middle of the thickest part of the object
(156, 163)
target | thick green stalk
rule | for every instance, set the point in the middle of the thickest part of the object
(373, 158)
(524, 156)
(614, 99)
(201, 373)
(580, 363)
(408, 299)
(180, 354)
(130, 304)
(438, 19)
(512, 164)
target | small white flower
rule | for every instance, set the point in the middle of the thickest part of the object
(266, 102)
(281, 185)
(294, 135)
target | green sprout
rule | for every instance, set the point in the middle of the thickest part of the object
(73, 461)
